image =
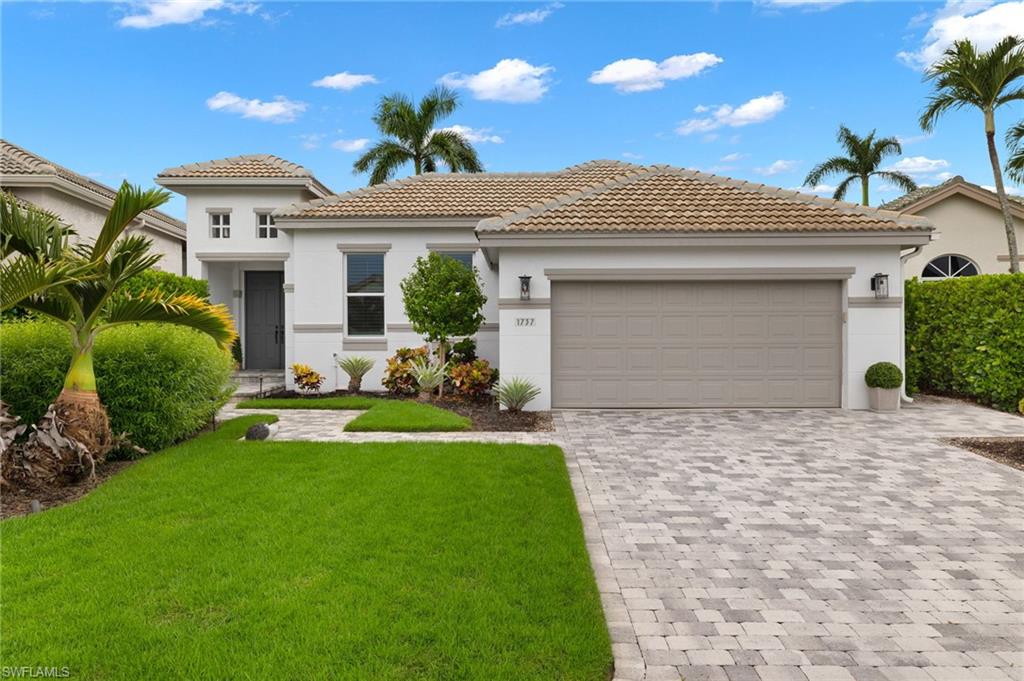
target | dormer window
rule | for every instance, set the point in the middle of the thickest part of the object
(265, 228)
(220, 225)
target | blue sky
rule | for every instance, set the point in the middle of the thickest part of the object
(755, 91)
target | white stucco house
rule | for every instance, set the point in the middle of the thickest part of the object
(83, 203)
(970, 235)
(609, 284)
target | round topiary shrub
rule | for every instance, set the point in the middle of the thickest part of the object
(883, 375)
(159, 383)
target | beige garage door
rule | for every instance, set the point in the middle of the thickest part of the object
(696, 344)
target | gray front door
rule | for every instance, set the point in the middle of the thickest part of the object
(696, 344)
(264, 320)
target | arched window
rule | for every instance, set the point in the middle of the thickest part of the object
(946, 266)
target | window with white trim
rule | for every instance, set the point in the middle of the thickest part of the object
(265, 228)
(364, 294)
(465, 257)
(949, 266)
(220, 225)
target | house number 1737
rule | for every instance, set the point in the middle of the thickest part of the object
(525, 321)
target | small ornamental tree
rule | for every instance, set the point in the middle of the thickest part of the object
(443, 299)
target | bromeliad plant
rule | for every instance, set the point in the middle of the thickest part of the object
(83, 287)
(429, 375)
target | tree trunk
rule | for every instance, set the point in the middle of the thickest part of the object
(864, 190)
(1004, 202)
(355, 383)
(78, 409)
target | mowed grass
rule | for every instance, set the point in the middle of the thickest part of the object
(221, 559)
(339, 402)
(407, 416)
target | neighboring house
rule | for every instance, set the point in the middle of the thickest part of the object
(234, 244)
(83, 203)
(648, 286)
(970, 237)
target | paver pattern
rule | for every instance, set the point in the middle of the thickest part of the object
(803, 545)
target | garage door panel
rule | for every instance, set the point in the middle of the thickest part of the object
(696, 344)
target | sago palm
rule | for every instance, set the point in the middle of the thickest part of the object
(863, 160)
(1015, 142)
(965, 77)
(411, 136)
(83, 288)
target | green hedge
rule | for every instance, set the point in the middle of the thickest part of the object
(165, 281)
(160, 383)
(965, 336)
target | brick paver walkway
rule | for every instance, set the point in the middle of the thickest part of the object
(803, 545)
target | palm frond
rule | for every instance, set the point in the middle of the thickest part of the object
(383, 160)
(454, 151)
(836, 165)
(439, 103)
(843, 187)
(129, 203)
(901, 180)
(1015, 143)
(181, 309)
(30, 231)
(24, 276)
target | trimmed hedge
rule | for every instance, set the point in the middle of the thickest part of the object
(885, 375)
(965, 336)
(167, 282)
(160, 383)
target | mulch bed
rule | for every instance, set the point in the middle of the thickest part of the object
(16, 498)
(1006, 450)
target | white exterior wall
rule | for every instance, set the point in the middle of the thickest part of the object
(966, 227)
(315, 309)
(870, 334)
(87, 219)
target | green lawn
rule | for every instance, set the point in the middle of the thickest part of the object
(407, 416)
(342, 402)
(223, 559)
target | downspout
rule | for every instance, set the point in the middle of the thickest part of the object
(904, 397)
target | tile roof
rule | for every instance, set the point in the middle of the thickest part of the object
(15, 160)
(474, 195)
(604, 195)
(923, 192)
(250, 165)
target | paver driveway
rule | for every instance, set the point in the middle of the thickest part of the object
(804, 544)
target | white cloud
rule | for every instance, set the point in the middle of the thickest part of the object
(757, 110)
(345, 81)
(155, 13)
(631, 156)
(732, 158)
(532, 17)
(510, 80)
(351, 146)
(311, 140)
(777, 167)
(919, 165)
(279, 110)
(476, 135)
(1010, 189)
(979, 22)
(641, 75)
(822, 189)
(913, 139)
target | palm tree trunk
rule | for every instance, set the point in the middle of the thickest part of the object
(417, 165)
(78, 408)
(1004, 202)
(864, 190)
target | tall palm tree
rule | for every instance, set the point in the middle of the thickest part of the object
(83, 288)
(1015, 142)
(965, 77)
(863, 160)
(411, 135)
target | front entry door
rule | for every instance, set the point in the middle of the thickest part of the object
(264, 320)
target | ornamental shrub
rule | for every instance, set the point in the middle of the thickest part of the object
(307, 379)
(428, 373)
(160, 383)
(463, 351)
(883, 375)
(965, 337)
(516, 393)
(473, 379)
(398, 378)
(168, 283)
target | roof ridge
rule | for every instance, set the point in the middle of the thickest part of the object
(296, 208)
(277, 161)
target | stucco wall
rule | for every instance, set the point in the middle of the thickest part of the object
(87, 219)
(870, 334)
(315, 309)
(966, 227)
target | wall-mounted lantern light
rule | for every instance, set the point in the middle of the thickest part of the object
(524, 287)
(880, 285)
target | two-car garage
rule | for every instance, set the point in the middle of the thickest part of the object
(714, 343)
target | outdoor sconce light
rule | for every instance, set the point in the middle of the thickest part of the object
(880, 285)
(524, 287)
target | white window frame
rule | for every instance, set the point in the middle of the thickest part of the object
(362, 294)
(219, 230)
(270, 229)
(951, 275)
